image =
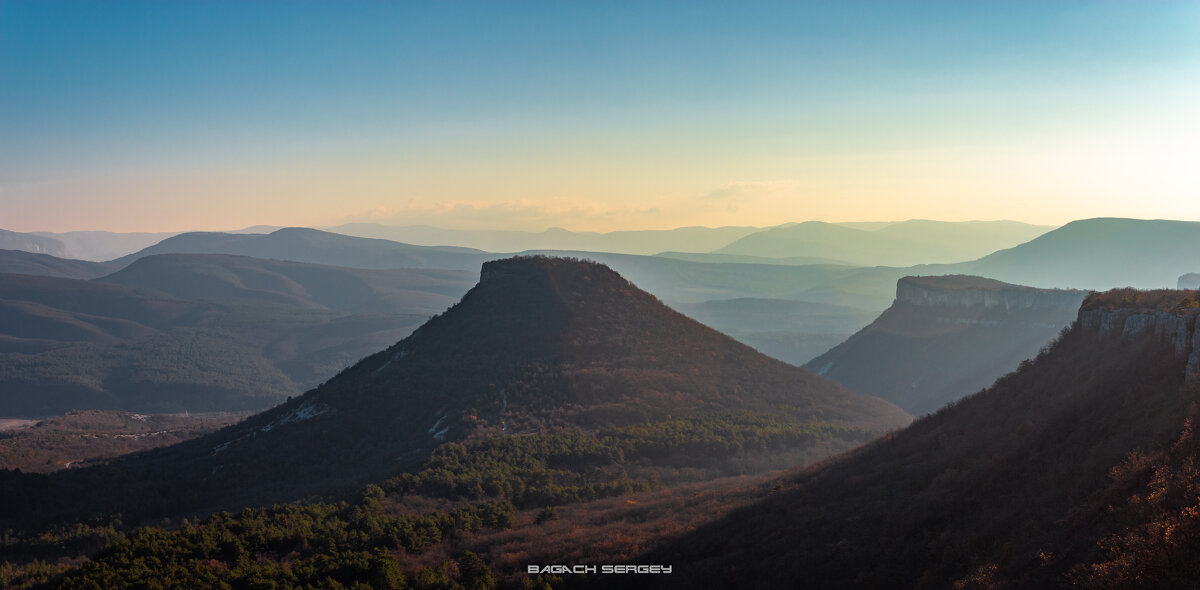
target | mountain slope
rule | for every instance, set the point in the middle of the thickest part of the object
(1053, 475)
(539, 345)
(317, 247)
(946, 337)
(1099, 254)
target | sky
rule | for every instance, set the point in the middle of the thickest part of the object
(597, 116)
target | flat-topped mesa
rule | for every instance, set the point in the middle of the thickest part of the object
(520, 268)
(1165, 314)
(972, 291)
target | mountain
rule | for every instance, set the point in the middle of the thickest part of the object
(264, 330)
(10, 240)
(103, 245)
(254, 280)
(900, 244)
(946, 337)
(1078, 469)
(28, 263)
(1190, 280)
(539, 345)
(316, 247)
(1099, 254)
(685, 239)
(791, 331)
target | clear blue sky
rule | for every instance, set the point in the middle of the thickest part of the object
(593, 115)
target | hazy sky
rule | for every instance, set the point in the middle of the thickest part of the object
(594, 115)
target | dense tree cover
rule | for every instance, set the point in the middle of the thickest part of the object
(316, 545)
(559, 468)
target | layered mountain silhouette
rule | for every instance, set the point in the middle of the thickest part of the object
(946, 337)
(11, 240)
(316, 247)
(103, 245)
(900, 244)
(242, 278)
(791, 331)
(688, 239)
(201, 332)
(1077, 469)
(29, 263)
(539, 345)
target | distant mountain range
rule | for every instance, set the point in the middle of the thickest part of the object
(200, 332)
(1100, 254)
(905, 243)
(946, 337)
(29, 263)
(31, 243)
(539, 345)
(102, 245)
(316, 247)
(1078, 470)
(686, 239)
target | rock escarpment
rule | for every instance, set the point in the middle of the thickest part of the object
(1127, 314)
(968, 291)
(946, 337)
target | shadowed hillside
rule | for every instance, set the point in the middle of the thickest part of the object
(1076, 469)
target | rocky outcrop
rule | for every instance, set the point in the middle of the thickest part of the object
(1180, 330)
(968, 291)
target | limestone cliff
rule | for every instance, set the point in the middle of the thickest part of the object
(948, 336)
(969, 291)
(1170, 316)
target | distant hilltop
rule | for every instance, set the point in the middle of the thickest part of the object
(971, 291)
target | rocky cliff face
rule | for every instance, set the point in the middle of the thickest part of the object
(966, 291)
(1179, 329)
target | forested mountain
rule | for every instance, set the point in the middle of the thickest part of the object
(538, 346)
(946, 337)
(1075, 470)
